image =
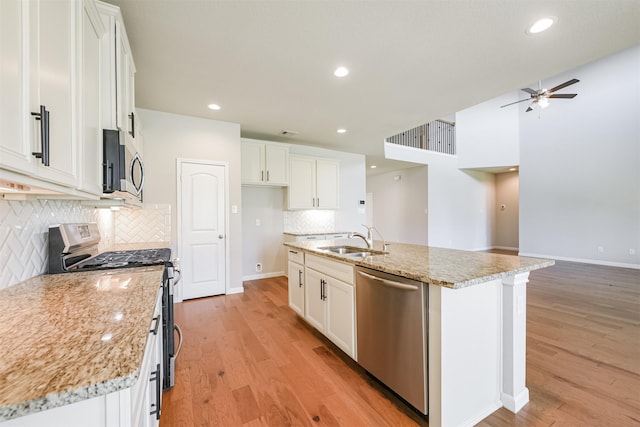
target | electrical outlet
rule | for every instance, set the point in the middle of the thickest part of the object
(258, 222)
(632, 251)
(600, 249)
(259, 267)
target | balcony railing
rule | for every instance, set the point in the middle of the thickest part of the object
(438, 135)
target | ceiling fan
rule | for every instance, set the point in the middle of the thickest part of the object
(541, 96)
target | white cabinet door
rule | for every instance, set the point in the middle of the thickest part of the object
(340, 322)
(52, 86)
(302, 184)
(264, 163)
(252, 158)
(314, 183)
(314, 306)
(90, 143)
(15, 149)
(327, 184)
(296, 287)
(277, 164)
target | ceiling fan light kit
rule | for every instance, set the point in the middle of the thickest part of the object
(541, 96)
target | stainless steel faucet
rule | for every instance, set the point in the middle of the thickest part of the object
(368, 239)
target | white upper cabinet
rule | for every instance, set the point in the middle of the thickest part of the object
(50, 119)
(15, 147)
(264, 163)
(37, 106)
(52, 88)
(90, 135)
(314, 183)
(118, 69)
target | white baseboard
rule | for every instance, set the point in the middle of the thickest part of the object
(515, 403)
(263, 276)
(236, 290)
(583, 260)
(505, 248)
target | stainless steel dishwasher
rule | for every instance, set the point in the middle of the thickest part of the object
(392, 324)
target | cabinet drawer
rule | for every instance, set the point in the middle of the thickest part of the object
(336, 236)
(339, 270)
(296, 255)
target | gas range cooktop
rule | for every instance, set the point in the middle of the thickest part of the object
(120, 259)
(74, 247)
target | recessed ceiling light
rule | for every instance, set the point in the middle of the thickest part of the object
(341, 72)
(213, 107)
(541, 25)
(373, 166)
(342, 131)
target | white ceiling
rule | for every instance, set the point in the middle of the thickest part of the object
(269, 64)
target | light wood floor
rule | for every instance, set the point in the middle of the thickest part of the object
(248, 360)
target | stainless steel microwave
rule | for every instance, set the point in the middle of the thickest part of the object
(123, 170)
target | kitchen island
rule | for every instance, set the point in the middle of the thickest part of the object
(75, 344)
(476, 322)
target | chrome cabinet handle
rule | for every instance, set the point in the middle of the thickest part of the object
(155, 407)
(155, 328)
(132, 132)
(267, 176)
(43, 116)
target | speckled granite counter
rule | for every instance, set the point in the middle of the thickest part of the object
(307, 233)
(73, 336)
(450, 268)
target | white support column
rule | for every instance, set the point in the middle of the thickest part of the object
(514, 342)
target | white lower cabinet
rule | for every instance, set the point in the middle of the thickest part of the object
(296, 287)
(330, 301)
(135, 406)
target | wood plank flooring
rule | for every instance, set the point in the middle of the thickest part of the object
(248, 360)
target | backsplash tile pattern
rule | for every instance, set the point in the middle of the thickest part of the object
(309, 221)
(150, 224)
(24, 233)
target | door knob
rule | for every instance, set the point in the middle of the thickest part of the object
(220, 236)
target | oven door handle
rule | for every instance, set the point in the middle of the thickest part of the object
(177, 280)
(177, 329)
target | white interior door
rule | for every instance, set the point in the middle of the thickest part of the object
(202, 228)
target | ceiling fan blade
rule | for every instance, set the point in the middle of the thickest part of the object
(528, 109)
(564, 95)
(511, 103)
(530, 91)
(563, 85)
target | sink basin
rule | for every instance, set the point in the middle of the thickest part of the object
(352, 251)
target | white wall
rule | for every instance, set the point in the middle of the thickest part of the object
(580, 166)
(506, 220)
(168, 137)
(460, 211)
(262, 243)
(487, 135)
(399, 205)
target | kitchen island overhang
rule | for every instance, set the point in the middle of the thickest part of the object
(477, 324)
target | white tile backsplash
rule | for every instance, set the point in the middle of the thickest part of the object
(150, 224)
(309, 221)
(24, 227)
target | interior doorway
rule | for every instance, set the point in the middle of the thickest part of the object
(202, 227)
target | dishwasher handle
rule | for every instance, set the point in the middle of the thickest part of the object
(390, 283)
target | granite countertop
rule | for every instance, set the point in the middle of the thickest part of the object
(73, 336)
(307, 233)
(451, 268)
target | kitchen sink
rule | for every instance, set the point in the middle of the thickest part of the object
(352, 251)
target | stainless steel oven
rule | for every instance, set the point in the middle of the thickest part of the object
(74, 247)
